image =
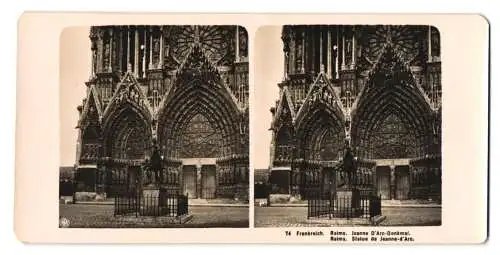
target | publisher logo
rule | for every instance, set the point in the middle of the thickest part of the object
(64, 223)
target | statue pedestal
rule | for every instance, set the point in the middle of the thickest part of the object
(348, 202)
(151, 200)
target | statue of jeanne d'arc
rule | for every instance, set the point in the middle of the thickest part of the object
(348, 164)
(348, 161)
(156, 164)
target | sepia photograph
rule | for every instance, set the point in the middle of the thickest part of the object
(154, 122)
(354, 125)
(192, 128)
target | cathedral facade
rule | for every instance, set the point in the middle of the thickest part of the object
(180, 90)
(375, 89)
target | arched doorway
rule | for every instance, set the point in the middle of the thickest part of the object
(200, 146)
(392, 122)
(127, 140)
(321, 137)
(200, 127)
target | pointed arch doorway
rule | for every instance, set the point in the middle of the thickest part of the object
(199, 147)
(199, 127)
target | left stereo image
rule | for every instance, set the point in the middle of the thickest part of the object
(154, 127)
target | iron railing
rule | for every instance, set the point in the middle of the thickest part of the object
(163, 204)
(357, 205)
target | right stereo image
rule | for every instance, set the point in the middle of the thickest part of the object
(350, 117)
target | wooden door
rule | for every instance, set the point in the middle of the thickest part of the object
(208, 181)
(384, 182)
(189, 180)
(402, 182)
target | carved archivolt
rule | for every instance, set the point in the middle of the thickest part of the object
(128, 136)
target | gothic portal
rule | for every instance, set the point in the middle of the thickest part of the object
(183, 89)
(378, 88)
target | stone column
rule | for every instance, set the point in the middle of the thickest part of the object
(302, 69)
(144, 53)
(329, 55)
(128, 50)
(285, 71)
(217, 170)
(180, 177)
(343, 49)
(429, 45)
(160, 61)
(307, 43)
(393, 182)
(136, 55)
(199, 187)
(353, 62)
(312, 68)
(120, 51)
(94, 62)
(104, 174)
(237, 40)
(321, 49)
(410, 180)
(374, 178)
(110, 67)
(150, 47)
(337, 55)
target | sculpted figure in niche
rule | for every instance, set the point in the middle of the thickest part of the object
(243, 43)
(348, 56)
(299, 56)
(156, 47)
(106, 56)
(156, 50)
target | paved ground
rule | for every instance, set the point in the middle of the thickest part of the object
(297, 217)
(101, 216)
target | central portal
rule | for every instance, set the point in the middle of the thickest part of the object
(200, 144)
(199, 178)
(393, 182)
